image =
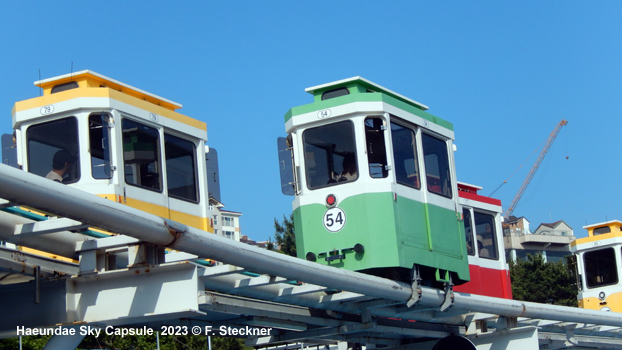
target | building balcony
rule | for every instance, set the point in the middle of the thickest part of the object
(546, 239)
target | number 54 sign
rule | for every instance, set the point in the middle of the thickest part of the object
(334, 219)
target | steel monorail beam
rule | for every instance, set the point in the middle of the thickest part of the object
(43, 194)
(28, 189)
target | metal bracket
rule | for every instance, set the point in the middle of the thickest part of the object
(415, 297)
(340, 254)
(506, 322)
(570, 339)
(332, 257)
(449, 297)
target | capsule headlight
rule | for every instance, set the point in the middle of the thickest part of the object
(331, 200)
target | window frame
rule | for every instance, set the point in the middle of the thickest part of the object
(106, 148)
(157, 158)
(416, 183)
(428, 166)
(376, 146)
(228, 221)
(31, 138)
(331, 176)
(193, 153)
(598, 253)
(494, 246)
(469, 235)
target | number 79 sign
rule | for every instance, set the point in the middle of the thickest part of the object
(334, 219)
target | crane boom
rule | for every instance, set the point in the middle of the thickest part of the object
(534, 168)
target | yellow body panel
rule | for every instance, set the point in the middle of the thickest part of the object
(597, 238)
(198, 222)
(191, 220)
(613, 302)
(151, 208)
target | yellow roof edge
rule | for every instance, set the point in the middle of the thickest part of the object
(41, 101)
(84, 75)
(601, 237)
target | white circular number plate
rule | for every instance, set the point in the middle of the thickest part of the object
(334, 219)
(325, 113)
(49, 109)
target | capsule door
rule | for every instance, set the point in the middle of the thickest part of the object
(143, 185)
(186, 205)
(444, 229)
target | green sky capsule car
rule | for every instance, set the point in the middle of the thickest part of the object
(374, 181)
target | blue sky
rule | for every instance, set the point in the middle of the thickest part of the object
(504, 72)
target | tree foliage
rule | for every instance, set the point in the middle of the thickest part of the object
(543, 282)
(146, 342)
(28, 343)
(285, 236)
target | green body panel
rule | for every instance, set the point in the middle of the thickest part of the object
(442, 221)
(357, 96)
(368, 222)
(395, 233)
(412, 224)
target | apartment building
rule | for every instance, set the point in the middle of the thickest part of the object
(226, 223)
(551, 240)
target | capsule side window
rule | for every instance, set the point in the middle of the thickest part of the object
(330, 155)
(600, 267)
(486, 236)
(602, 230)
(437, 166)
(181, 168)
(404, 144)
(376, 148)
(141, 155)
(326, 95)
(468, 231)
(99, 145)
(52, 148)
(64, 87)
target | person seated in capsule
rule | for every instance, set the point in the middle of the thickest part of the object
(61, 165)
(349, 172)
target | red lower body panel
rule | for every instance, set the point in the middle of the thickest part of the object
(488, 282)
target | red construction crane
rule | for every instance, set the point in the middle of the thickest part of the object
(534, 168)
